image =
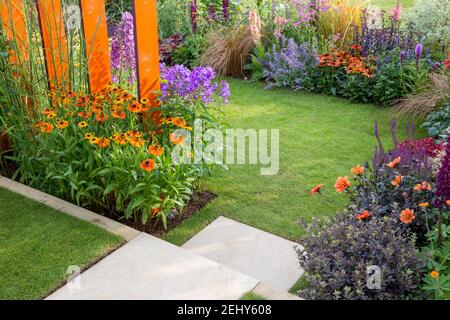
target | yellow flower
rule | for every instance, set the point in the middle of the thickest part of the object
(424, 204)
(82, 124)
(62, 124)
(434, 274)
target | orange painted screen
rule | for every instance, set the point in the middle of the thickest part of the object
(54, 42)
(96, 36)
(14, 26)
(147, 52)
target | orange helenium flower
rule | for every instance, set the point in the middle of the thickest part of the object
(397, 181)
(148, 165)
(342, 184)
(316, 189)
(364, 215)
(179, 122)
(358, 170)
(155, 150)
(101, 117)
(407, 216)
(424, 204)
(137, 142)
(103, 142)
(62, 124)
(176, 139)
(434, 274)
(135, 107)
(448, 202)
(119, 114)
(85, 115)
(424, 186)
(394, 163)
(82, 124)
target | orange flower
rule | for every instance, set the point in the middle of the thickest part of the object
(424, 204)
(448, 202)
(62, 124)
(434, 274)
(407, 216)
(44, 127)
(358, 170)
(148, 165)
(137, 142)
(82, 124)
(135, 107)
(394, 163)
(103, 142)
(101, 117)
(424, 186)
(156, 211)
(176, 139)
(155, 150)
(121, 139)
(315, 190)
(397, 181)
(119, 114)
(85, 115)
(342, 184)
(364, 215)
(179, 122)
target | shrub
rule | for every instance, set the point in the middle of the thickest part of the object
(189, 52)
(436, 26)
(438, 123)
(168, 46)
(290, 65)
(335, 257)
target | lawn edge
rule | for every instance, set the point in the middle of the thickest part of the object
(68, 208)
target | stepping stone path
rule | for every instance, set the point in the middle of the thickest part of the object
(224, 261)
(256, 253)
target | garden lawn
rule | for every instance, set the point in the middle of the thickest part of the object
(389, 4)
(321, 138)
(37, 244)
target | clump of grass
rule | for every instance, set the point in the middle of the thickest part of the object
(228, 49)
(427, 100)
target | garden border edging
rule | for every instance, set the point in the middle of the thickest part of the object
(68, 208)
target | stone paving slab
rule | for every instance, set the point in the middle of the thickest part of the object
(149, 268)
(256, 253)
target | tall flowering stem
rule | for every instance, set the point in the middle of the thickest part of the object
(194, 15)
(226, 9)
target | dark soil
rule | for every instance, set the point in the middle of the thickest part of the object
(198, 201)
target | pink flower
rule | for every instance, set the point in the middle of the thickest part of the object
(396, 13)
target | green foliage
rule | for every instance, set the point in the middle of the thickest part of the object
(438, 123)
(189, 52)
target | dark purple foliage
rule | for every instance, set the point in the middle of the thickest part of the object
(194, 15)
(168, 46)
(226, 9)
(336, 257)
(443, 179)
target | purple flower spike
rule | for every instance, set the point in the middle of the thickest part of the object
(419, 50)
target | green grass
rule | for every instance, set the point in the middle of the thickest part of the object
(389, 4)
(321, 138)
(37, 244)
(252, 297)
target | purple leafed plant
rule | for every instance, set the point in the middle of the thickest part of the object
(194, 15)
(443, 179)
(192, 86)
(226, 9)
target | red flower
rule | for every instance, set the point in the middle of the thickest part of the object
(364, 215)
(315, 190)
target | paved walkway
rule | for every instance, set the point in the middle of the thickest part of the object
(224, 261)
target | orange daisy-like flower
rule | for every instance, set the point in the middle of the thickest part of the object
(51, 115)
(62, 124)
(103, 142)
(434, 274)
(137, 142)
(407, 216)
(85, 114)
(364, 215)
(135, 107)
(119, 114)
(316, 189)
(179, 122)
(97, 109)
(424, 186)
(82, 124)
(424, 204)
(93, 140)
(148, 165)
(342, 184)
(44, 127)
(156, 211)
(358, 170)
(176, 139)
(448, 202)
(101, 117)
(394, 163)
(155, 150)
(397, 181)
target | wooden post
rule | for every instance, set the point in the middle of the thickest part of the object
(95, 32)
(54, 43)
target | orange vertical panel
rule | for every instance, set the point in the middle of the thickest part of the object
(147, 51)
(54, 42)
(96, 36)
(14, 26)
